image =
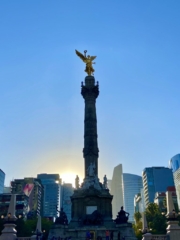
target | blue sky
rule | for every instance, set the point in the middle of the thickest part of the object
(137, 66)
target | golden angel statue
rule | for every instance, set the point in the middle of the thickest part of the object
(88, 60)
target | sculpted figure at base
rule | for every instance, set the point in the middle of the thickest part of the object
(105, 181)
(88, 60)
(122, 217)
(91, 169)
(77, 182)
(62, 219)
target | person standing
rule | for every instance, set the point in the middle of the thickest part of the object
(88, 235)
(107, 234)
(111, 235)
(119, 235)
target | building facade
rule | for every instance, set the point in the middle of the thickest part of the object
(65, 198)
(131, 186)
(21, 204)
(139, 204)
(156, 179)
(2, 178)
(176, 176)
(160, 199)
(174, 164)
(33, 189)
(117, 190)
(51, 199)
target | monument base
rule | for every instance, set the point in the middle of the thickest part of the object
(123, 230)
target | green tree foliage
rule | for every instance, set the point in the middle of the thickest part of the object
(137, 217)
(156, 221)
(25, 228)
(138, 225)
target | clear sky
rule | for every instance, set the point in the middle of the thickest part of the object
(137, 43)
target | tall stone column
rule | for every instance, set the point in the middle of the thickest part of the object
(90, 92)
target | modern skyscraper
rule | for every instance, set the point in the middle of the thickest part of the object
(51, 198)
(132, 185)
(137, 199)
(139, 204)
(21, 204)
(65, 196)
(174, 162)
(33, 189)
(156, 179)
(175, 166)
(109, 181)
(117, 190)
(2, 178)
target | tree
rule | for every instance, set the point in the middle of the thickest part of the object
(156, 221)
(137, 216)
(138, 225)
(25, 228)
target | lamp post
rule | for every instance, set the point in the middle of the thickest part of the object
(9, 231)
(38, 234)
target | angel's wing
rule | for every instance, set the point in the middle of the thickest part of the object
(93, 57)
(80, 55)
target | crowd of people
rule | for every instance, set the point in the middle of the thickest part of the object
(89, 236)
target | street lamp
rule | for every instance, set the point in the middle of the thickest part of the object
(174, 213)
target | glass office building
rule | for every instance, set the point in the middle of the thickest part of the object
(156, 179)
(51, 198)
(132, 185)
(174, 163)
(2, 178)
(65, 201)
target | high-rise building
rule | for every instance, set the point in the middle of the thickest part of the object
(139, 204)
(2, 178)
(21, 204)
(7, 189)
(51, 199)
(156, 179)
(160, 199)
(175, 166)
(109, 181)
(65, 202)
(117, 190)
(33, 189)
(174, 162)
(131, 186)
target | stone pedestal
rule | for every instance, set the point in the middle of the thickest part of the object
(91, 198)
(9, 232)
(77, 233)
(147, 236)
(173, 230)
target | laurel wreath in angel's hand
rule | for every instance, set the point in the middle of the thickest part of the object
(88, 60)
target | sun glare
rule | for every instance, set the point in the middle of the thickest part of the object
(68, 177)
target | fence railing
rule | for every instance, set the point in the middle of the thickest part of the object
(156, 237)
(23, 238)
